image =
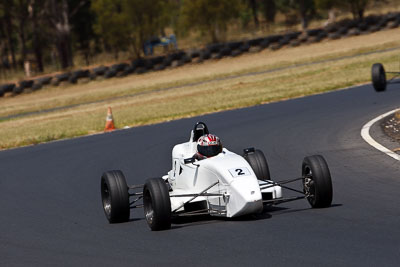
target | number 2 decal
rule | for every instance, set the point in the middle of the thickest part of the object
(241, 171)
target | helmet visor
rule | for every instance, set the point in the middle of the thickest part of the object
(209, 151)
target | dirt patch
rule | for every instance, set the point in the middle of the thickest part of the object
(391, 126)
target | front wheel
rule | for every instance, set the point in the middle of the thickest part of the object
(317, 182)
(258, 163)
(115, 196)
(157, 204)
(378, 77)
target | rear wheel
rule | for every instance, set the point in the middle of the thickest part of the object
(157, 204)
(317, 183)
(378, 77)
(259, 164)
(115, 196)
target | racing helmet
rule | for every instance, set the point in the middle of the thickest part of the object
(209, 145)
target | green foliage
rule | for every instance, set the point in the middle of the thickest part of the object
(356, 7)
(269, 10)
(145, 19)
(209, 16)
(304, 9)
(111, 23)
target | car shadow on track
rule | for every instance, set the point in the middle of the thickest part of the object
(282, 210)
(181, 222)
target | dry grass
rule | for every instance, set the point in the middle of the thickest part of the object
(178, 102)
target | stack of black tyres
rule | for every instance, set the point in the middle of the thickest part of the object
(59, 78)
(98, 71)
(78, 74)
(6, 88)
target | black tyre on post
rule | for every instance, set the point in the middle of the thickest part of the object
(115, 196)
(258, 163)
(317, 182)
(378, 77)
(157, 204)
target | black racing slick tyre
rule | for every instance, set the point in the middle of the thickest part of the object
(115, 196)
(317, 182)
(378, 76)
(259, 164)
(157, 204)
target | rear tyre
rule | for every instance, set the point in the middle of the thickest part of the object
(115, 196)
(317, 183)
(259, 164)
(378, 77)
(157, 204)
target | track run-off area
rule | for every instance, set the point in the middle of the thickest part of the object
(51, 212)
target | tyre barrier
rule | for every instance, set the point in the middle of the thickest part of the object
(302, 38)
(128, 70)
(44, 80)
(275, 46)
(373, 28)
(76, 75)
(224, 52)
(334, 36)
(142, 63)
(25, 84)
(314, 32)
(342, 31)
(17, 90)
(265, 43)
(194, 53)
(256, 41)
(353, 32)
(62, 77)
(331, 28)
(313, 39)
(294, 43)
(392, 24)
(119, 67)
(244, 47)
(167, 61)
(157, 60)
(236, 53)
(141, 70)
(7, 88)
(205, 54)
(234, 45)
(100, 71)
(110, 73)
(284, 41)
(293, 35)
(372, 20)
(37, 86)
(159, 67)
(215, 48)
(344, 28)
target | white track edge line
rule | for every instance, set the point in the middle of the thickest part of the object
(367, 137)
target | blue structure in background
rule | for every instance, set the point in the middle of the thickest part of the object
(149, 45)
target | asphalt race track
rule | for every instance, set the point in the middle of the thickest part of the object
(51, 213)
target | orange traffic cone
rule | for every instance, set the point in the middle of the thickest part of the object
(109, 121)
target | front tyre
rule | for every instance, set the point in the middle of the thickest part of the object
(317, 183)
(157, 204)
(378, 77)
(115, 196)
(259, 164)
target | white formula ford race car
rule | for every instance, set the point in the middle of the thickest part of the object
(226, 185)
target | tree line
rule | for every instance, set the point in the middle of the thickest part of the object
(53, 31)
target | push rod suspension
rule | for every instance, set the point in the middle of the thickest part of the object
(195, 196)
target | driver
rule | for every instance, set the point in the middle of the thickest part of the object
(208, 146)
